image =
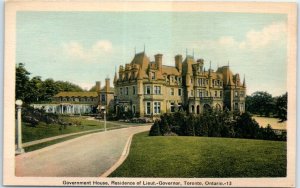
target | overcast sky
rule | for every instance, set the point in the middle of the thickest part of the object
(83, 47)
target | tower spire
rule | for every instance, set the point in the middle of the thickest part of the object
(186, 52)
(144, 48)
(134, 50)
(244, 81)
(116, 75)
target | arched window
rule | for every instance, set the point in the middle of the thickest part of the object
(193, 109)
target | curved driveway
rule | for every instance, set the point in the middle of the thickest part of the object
(86, 156)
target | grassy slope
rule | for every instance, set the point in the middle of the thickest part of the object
(203, 157)
(44, 131)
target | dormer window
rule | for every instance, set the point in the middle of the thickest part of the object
(153, 75)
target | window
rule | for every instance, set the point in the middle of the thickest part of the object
(103, 97)
(179, 92)
(133, 90)
(236, 94)
(192, 93)
(156, 107)
(121, 91)
(126, 90)
(236, 106)
(157, 90)
(172, 106)
(199, 81)
(76, 99)
(206, 82)
(218, 82)
(148, 108)
(242, 94)
(148, 90)
(172, 91)
(179, 79)
(153, 75)
(191, 80)
(179, 105)
(221, 94)
(207, 93)
(200, 93)
(172, 79)
(133, 109)
(216, 93)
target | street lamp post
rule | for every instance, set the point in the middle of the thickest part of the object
(104, 120)
(19, 149)
(104, 116)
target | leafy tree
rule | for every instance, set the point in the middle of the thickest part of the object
(35, 85)
(67, 86)
(281, 107)
(35, 89)
(260, 103)
(246, 126)
(93, 88)
(22, 83)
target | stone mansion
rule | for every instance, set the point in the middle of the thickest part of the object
(149, 88)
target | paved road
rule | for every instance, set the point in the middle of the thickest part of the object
(86, 156)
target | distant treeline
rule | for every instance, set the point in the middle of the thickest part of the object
(213, 124)
(38, 90)
(263, 104)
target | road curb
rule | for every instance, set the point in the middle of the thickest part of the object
(122, 158)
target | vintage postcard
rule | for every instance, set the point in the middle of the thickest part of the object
(177, 94)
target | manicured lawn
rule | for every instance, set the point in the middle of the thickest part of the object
(56, 141)
(176, 156)
(274, 122)
(44, 131)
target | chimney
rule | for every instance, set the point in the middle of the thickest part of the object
(98, 86)
(107, 84)
(158, 61)
(178, 62)
(201, 63)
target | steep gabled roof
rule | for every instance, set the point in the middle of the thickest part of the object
(141, 59)
(170, 70)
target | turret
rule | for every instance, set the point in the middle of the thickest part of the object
(158, 61)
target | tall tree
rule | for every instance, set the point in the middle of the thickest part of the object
(260, 103)
(281, 107)
(22, 83)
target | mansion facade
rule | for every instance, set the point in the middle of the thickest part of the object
(149, 88)
(84, 102)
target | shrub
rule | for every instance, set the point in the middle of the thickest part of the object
(213, 124)
(246, 126)
(155, 129)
